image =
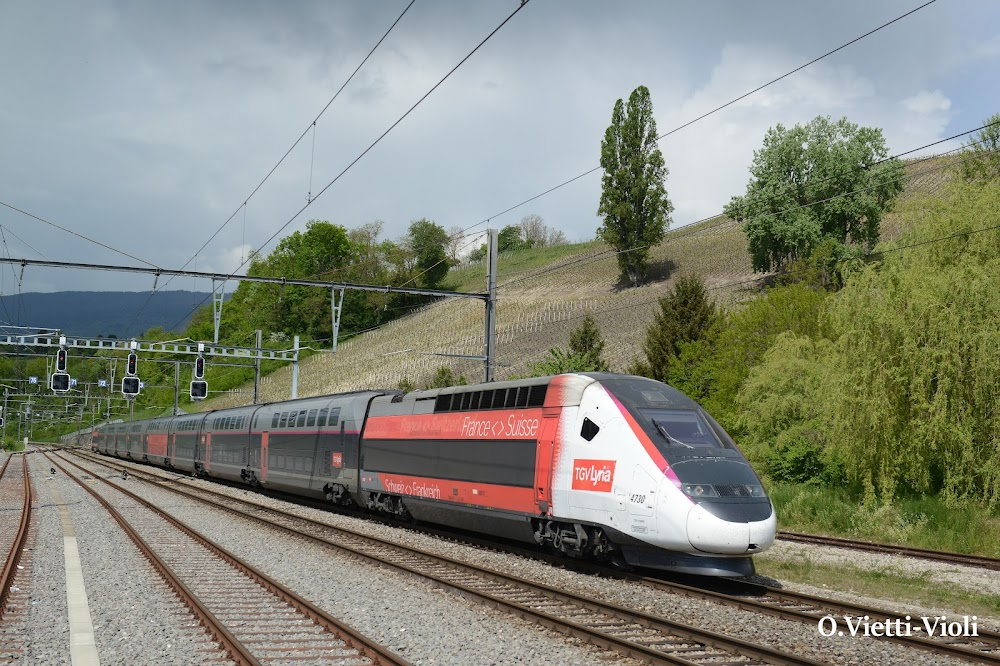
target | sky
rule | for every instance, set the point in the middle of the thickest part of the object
(145, 126)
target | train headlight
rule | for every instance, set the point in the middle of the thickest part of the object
(699, 490)
(756, 491)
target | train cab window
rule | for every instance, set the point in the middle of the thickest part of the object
(311, 419)
(683, 428)
(321, 418)
(589, 430)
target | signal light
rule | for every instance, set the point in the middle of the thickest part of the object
(59, 382)
(61, 360)
(199, 390)
(199, 367)
(130, 385)
(132, 365)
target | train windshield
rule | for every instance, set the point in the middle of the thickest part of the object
(684, 428)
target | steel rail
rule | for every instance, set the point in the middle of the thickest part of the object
(239, 652)
(374, 651)
(579, 629)
(893, 549)
(14, 556)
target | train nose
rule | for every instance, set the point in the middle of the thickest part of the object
(711, 534)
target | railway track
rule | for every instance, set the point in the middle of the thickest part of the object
(626, 631)
(16, 540)
(253, 618)
(892, 549)
(793, 606)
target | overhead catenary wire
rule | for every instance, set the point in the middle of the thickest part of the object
(378, 140)
(311, 125)
(696, 230)
(694, 120)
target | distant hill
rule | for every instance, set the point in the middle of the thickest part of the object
(102, 313)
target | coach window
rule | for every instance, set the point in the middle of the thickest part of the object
(302, 419)
(274, 420)
(311, 420)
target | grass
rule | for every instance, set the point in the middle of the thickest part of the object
(923, 522)
(889, 584)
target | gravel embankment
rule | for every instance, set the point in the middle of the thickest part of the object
(136, 617)
(785, 635)
(421, 623)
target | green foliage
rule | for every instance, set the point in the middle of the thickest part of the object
(584, 355)
(918, 401)
(739, 341)
(794, 199)
(444, 378)
(634, 201)
(980, 157)
(511, 238)
(406, 385)
(428, 242)
(783, 412)
(685, 314)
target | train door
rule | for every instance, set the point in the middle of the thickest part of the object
(263, 456)
(547, 434)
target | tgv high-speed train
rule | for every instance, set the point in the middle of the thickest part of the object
(594, 465)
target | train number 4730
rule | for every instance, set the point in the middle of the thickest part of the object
(637, 499)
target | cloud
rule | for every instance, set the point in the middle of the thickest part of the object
(927, 102)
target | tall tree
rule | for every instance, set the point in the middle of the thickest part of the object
(980, 157)
(822, 180)
(634, 200)
(686, 313)
(427, 241)
(584, 355)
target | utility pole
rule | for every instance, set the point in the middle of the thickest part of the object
(295, 369)
(256, 365)
(489, 341)
(177, 387)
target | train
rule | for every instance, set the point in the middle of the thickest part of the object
(591, 465)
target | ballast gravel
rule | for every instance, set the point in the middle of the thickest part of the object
(422, 623)
(136, 617)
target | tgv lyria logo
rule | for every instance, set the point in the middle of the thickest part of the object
(593, 475)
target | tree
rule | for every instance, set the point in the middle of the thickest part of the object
(634, 201)
(444, 377)
(509, 239)
(534, 230)
(824, 180)
(584, 355)
(427, 242)
(456, 241)
(686, 313)
(980, 157)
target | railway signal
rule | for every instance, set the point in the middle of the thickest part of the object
(132, 365)
(199, 367)
(199, 390)
(61, 360)
(130, 386)
(59, 382)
